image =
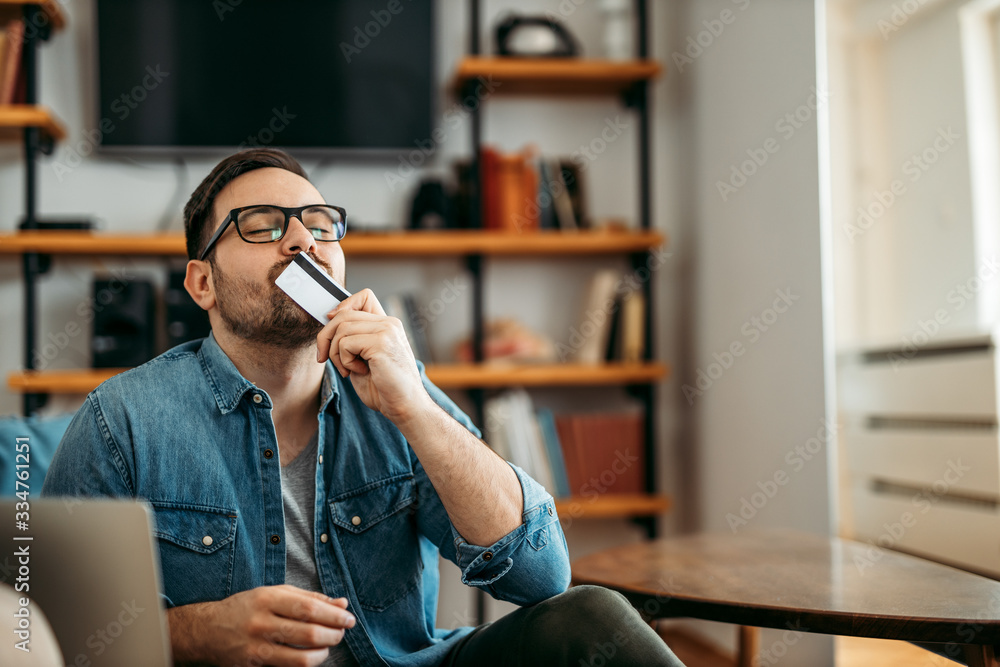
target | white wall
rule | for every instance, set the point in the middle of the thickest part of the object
(744, 248)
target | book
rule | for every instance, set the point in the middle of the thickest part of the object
(546, 209)
(3, 51)
(589, 338)
(614, 348)
(572, 178)
(537, 457)
(489, 195)
(496, 412)
(550, 437)
(513, 431)
(11, 60)
(632, 334)
(604, 453)
(561, 201)
(509, 178)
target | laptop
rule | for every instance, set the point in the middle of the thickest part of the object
(93, 569)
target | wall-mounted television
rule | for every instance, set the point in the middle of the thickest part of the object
(324, 74)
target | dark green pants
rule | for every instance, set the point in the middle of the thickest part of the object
(587, 626)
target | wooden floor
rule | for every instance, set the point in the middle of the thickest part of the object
(850, 652)
(862, 652)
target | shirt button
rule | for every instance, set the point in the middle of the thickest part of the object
(257, 398)
(270, 454)
(550, 510)
(323, 538)
(320, 458)
(488, 556)
(275, 539)
(207, 540)
(356, 521)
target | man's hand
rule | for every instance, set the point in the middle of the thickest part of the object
(272, 625)
(371, 347)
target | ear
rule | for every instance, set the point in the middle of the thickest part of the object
(198, 283)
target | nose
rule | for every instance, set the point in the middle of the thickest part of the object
(297, 238)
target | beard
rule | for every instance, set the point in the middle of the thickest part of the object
(263, 313)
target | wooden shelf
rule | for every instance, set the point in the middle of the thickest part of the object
(362, 244)
(60, 382)
(15, 117)
(569, 76)
(611, 506)
(14, 8)
(496, 375)
(446, 376)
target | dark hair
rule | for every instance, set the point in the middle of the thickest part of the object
(198, 210)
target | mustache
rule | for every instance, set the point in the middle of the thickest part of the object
(278, 267)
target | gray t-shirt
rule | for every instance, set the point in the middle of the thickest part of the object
(298, 495)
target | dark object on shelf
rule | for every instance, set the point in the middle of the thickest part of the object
(82, 224)
(462, 201)
(124, 329)
(432, 206)
(572, 177)
(534, 37)
(185, 319)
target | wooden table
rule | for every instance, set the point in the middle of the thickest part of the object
(804, 583)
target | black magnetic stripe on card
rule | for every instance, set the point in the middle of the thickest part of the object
(325, 281)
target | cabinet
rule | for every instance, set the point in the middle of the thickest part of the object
(921, 455)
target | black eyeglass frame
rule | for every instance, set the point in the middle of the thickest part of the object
(289, 214)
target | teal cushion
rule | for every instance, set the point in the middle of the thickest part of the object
(43, 434)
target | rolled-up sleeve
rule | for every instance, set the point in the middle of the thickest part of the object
(525, 566)
(528, 564)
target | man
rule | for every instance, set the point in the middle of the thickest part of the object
(306, 477)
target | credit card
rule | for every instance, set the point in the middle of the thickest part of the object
(310, 286)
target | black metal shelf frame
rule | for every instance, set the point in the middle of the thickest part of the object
(33, 264)
(637, 98)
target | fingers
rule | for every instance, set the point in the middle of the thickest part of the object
(276, 654)
(312, 607)
(364, 301)
(305, 635)
(379, 332)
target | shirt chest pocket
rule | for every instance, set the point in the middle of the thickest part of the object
(378, 534)
(197, 549)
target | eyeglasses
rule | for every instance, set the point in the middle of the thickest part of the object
(263, 223)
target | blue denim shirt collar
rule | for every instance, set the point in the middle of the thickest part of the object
(229, 387)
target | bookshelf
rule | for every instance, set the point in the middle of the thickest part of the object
(631, 505)
(559, 76)
(546, 77)
(525, 76)
(363, 244)
(446, 376)
(14, 118)
(38, 130)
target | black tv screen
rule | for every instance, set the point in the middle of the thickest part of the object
(335, 74)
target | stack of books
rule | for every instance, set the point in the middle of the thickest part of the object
(522, 192)
(574, 454)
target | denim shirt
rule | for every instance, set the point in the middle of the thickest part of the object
(188, 434)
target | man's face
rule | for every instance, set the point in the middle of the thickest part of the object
(243, 274)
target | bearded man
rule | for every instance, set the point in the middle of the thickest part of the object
(305, 477)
